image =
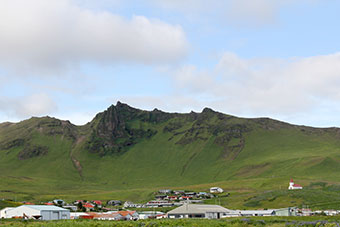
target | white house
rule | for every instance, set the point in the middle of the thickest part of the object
(293, 186)
(41, 212)
(129, 204)
(216, 190)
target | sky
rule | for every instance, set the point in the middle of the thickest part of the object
(71, 59)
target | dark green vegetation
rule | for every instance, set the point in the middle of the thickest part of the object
(126, 153)
(234, 222)
(4, 203)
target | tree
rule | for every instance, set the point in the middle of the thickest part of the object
(80, 206)
(96, 207)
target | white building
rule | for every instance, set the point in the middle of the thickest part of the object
(41, 212)
(3, 212)
(200, 211)
(77, 215)
(257, 212)
(108, 216)
(293, 186)
(151, 215)
(129, 204)
(216, 190)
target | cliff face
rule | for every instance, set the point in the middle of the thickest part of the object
(121, 126)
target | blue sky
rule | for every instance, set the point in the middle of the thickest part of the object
(71, 59)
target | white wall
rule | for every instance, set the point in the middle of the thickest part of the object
(20, 211)
(3, 212)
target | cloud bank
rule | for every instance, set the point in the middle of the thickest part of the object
(27, 106)
(264, 86)
(56, 34)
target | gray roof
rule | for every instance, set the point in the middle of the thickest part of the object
(199, 209)
(45, 207)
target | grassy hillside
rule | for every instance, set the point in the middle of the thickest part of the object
(128, 153)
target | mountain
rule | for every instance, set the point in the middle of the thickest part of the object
(129, 153)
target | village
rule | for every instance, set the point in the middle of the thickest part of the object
(180, 204)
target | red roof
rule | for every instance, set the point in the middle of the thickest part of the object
(98, 202)
(297, 185)
(28, 203)
(124, 213)
(291, 180)
(88, 205)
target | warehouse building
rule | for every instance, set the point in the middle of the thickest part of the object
(41, 212)
(257, 212)
(201, 211)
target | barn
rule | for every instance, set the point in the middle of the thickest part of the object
(41, 212)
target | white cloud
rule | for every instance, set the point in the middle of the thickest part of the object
(254, 12)
(51, 35)
(27, 106)
(247, 13)
(273, 87)
(237, 13)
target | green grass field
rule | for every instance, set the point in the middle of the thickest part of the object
(234, 222)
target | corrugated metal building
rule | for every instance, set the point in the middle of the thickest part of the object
(41, 212)
(289, 211)
(257, 212)
(200, 211)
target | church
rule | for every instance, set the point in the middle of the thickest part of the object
(293, 186)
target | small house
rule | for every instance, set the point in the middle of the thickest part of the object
(129, 204)
(192, 194)
(114, 203)
(129, 215)
(172, 198)
(165, 191)
(151, 215)
(216, 190)
(98, 203)
(107, 216)
(160, 197)
(88, 206)
(59, 202)
(179, 192)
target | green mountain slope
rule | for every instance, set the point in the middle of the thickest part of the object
(129, 153)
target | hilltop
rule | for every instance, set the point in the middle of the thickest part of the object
(129, 153)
